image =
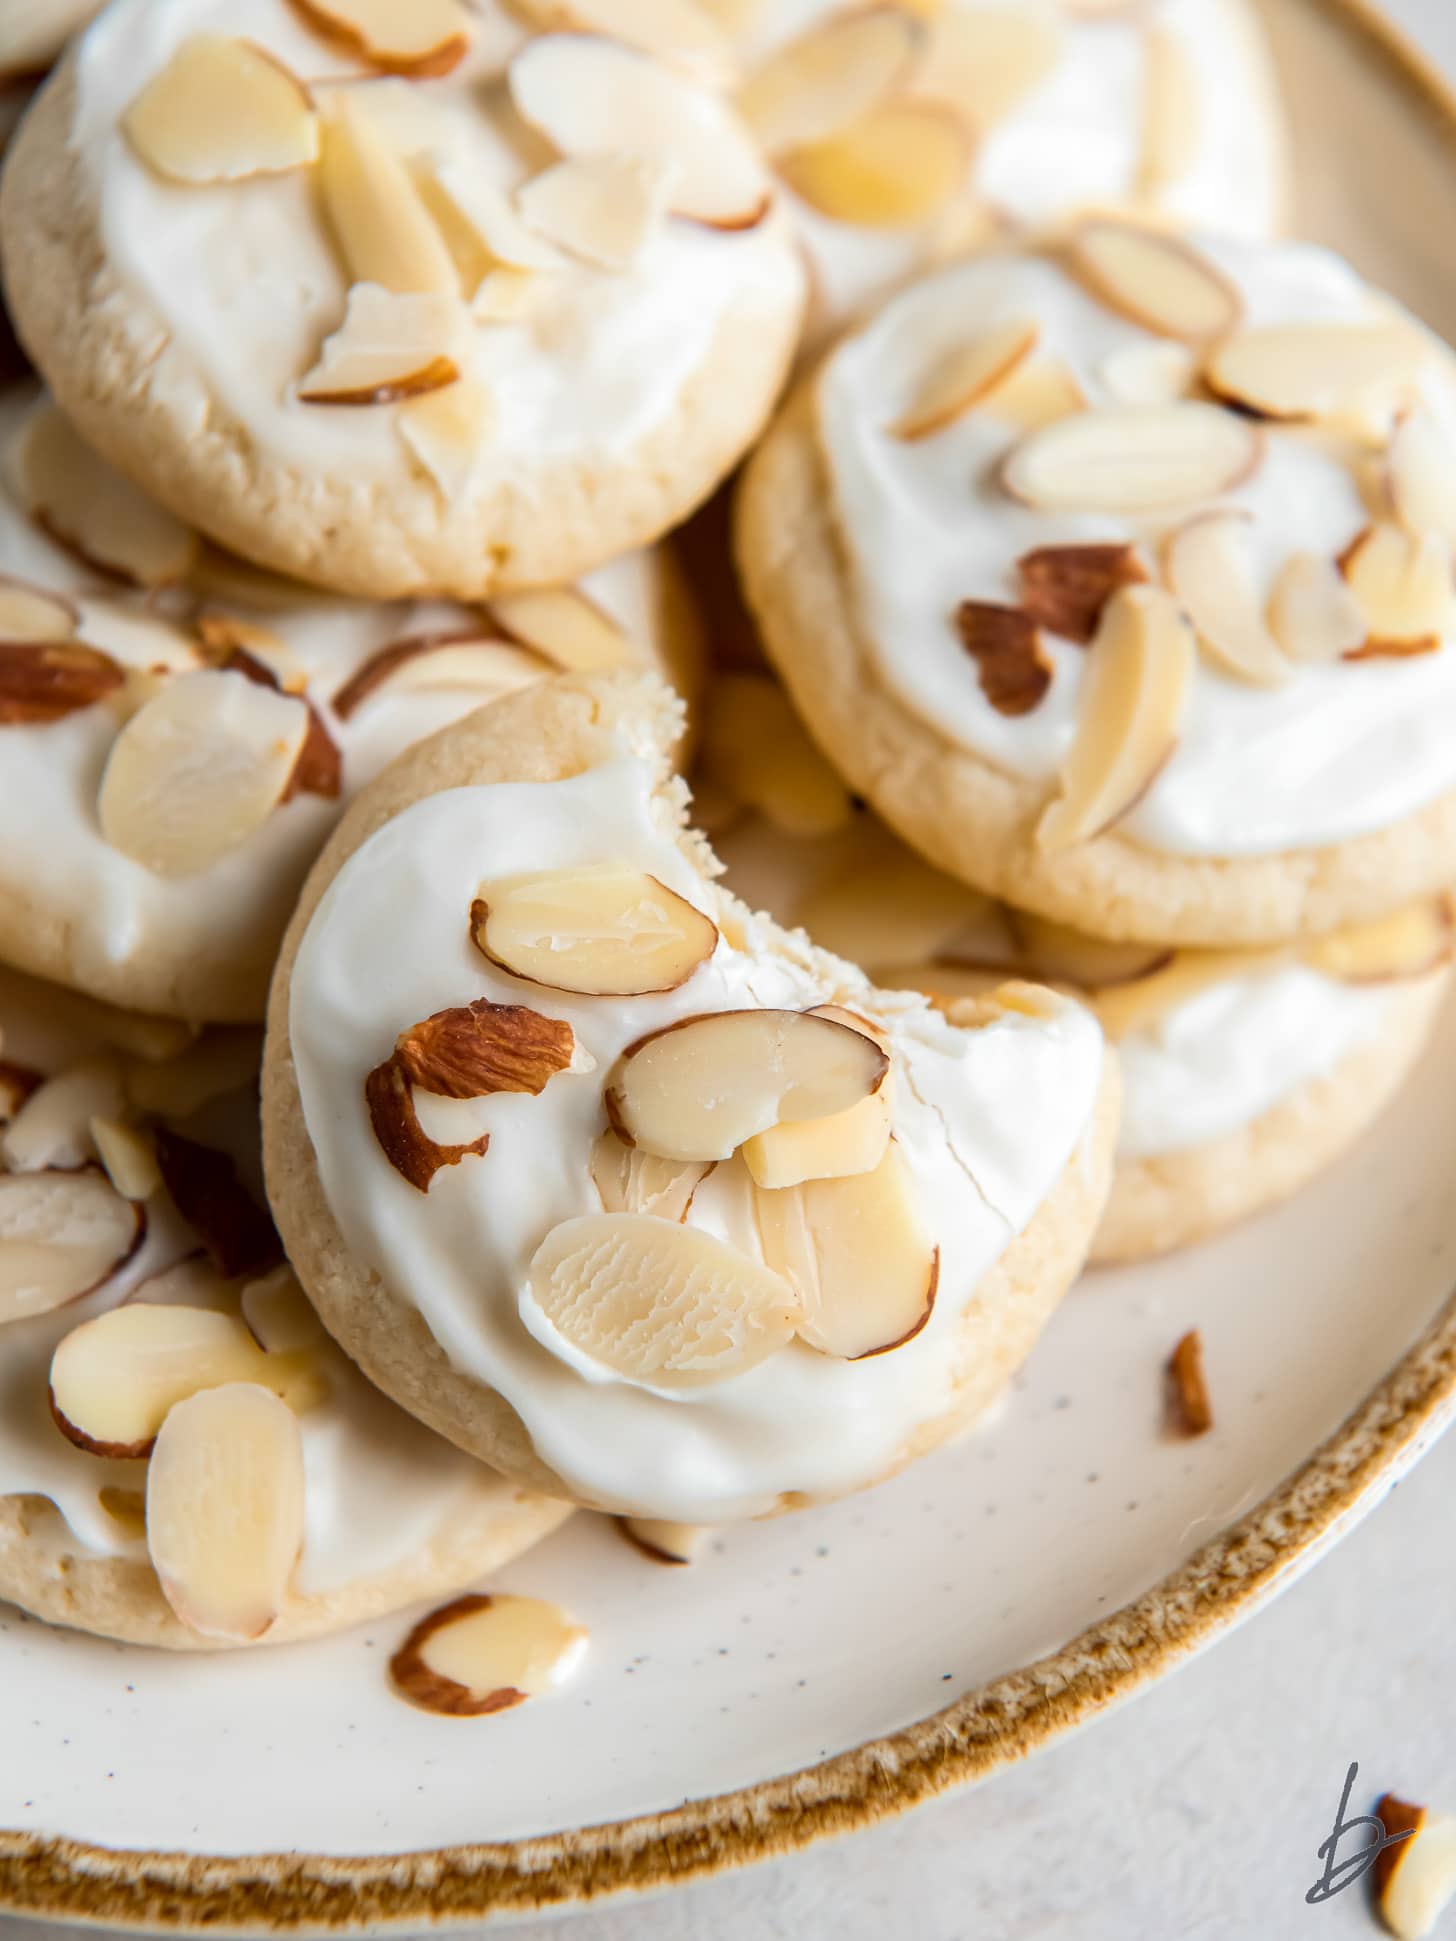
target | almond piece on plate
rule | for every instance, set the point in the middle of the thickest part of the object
(91, 510)
(198, 770)
(1405, 589)
(225, 1510)
(439, 660)
(842, 1145)
(114, 1379)
(1414, 1878)
(984, 61)
(819, 83)
(129, 1156)
(681, 32)
(475, 1049)
(61, 1234)
(1172, 114)
(602, 208)
(421, 38)
(1066, 956)
(1132, 458)
(629, 1180)
(414, 1155)
(1066, 588)
(1158, 281)
(1312, 612)
(50, 679)
(1139, 679)
(755, 746)
(604, 931)
(1210, 571)
(966, 376)
(238, 1234)
(278, 1314)
(1188, 1387)
(390, 346)
(1315, 370)
(664, 1542)
(481, 1654)
(221, 111)
(383, 229)
(1422, 476)
(699, 1088)
(53, 1126)
(892, 169)
(659, 1303)
(1410, 943)
(568, 628)
(1005, 644)
(856, 1254)
(31, 615)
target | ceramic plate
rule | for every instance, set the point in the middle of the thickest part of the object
(815, 1672)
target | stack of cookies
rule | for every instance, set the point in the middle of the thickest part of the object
(345, 656)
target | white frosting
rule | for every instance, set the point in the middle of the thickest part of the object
(986, 1119)
(1341, 750)
(246, 284)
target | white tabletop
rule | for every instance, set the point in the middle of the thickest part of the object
(1196, 1811)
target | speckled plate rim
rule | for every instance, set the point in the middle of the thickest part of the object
(984, 1730)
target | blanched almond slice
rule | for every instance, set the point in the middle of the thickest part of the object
(481, 1654)
(681, 32)
(1156, 280)
(224, 1059)
(856, 1253)
(61, 1234)
(699, 1088)
(1133, 458)
(1189, 1386)
(961, 380)
(818, 84)
(479, 223)
(1404, 587)
(504, 295)
(1159, 373)
(840, 1146)
(221, 111)
(381, 225)
(1315, 370)
(1139, 680)
(205, 1188)
(602, 208)
(1415, 1878)
(53, 1127)
(1068, 956)
(114, 1379)
(665, 1542)
(658, 1303)
(448, 430)
(566, 627)
(756, 747)
(389, 346)
(1410, 943)
(129, 1156)
(1143, 1002)
(96, 513)
(278, 1315)
(198, 770)
(225, 1510)
(440, 660)
(892, 169)
(604, 931)
(1172, 114)
(629, 1180)
(422, 38)
(1066, 588)
(1005, 644)
(1039, 392)
(42, 683)
(1312, 612)
(1423, 476)
(32, 614)
(1211, 574)
(984, 61)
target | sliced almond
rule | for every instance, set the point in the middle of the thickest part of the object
(31, 615)
(1148, 373)
(894, 168)
(440, 660)
(480, 1655)
(448, 430)
(421, 38)
(755, 746)
(61, 1235)
(1142, 1003)
(413, 1154)
(473, 1050)
(843, 1145)
(115, 1378)
(505, 295)
(1422, 476)
(46, 681)
(1172, 114)
(602, 208)
(1067, 956)
(604, 931)
(1211, 574)
(222, 111)
(816, 85)
(129, 1155)
(1188, 1387)
(204, 1185)
(629, 1180)
(1415, 1874)
(381, 225)
(225, 1510)
(1039, 392)
(1159, 281)
(96, 513)
(856, 1253)
(53, 1126)
(985, 61)
(664, 1542)
(1005, 644)
(278, 1314)
(965, 378)
(1315, 370)
(1312, 612)
(1405, 588)
(1410, 943)
(681, 32)
(224, 1060)
(390, 346)
(1132, 459)
(198, 770)
(480, 223)
(665, 1305)
(1139, 680)
(227, 640)
(565, 626)
(1066, 588)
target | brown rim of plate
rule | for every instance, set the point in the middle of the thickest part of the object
(980, 1732)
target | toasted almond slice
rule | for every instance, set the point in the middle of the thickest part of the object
(604, 931)
(43, 682)
(699, 1088)
(565, 626)
(278, 1315)
(225, 1510)
(1211, 574)
(1148, 373)
(1414, 1876)
(414, 1155)
(481, 1654)
(665, 1542)
(1172, 114)
(1193, 1411)
(591, 96)
(985, 61)
(204, 1185)
(61, 1235)
(129, 1156)
(816, 85)
(666, 1305)
(198, 770)
(1411, 942)
(1312, 612)
(473, 1050)
(448, 430)
(480, 223)
(1139, 680)
(1005, 644)
(1422, 475)
(1158, 281)
(756, 747)
(53, 1126)
(223, 1060)
(1066, 588)
(680, 32)
(222, 111)
(856, 1254)
(1315, 370)
(32, 615)
(1132, 458)
(841, 1146)
(965, 377)
(115, 1378)
(379, 221)
(389, 346)
(246, 647)
(421, 38)
(892, 169)
(901, 909)
(1142, 1003)
(96, 513)
(629, 1180)
(1404, 587)
(602, 208)
(1067, 956)
(1039, 392)
(465, 660)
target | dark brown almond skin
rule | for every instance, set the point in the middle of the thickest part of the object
(414, 1155)
(319, 769)
(1396, 1816)
(910, 1334)
(427, 66)
(1065, 588)
(116, 1451)
(414, 1680)
(433, 376)
(1005, 644)
(206, 1190)
(379, 667)
(473, 1050)
(1394, 649)
(42, 681)
(1192, 1407)
(749, 219)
